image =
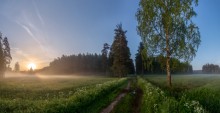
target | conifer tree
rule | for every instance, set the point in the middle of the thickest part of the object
(120, 53)
(105, 57)
(2, 59)
(17, 67)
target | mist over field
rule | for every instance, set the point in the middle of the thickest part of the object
(109, 56)
(43, 76)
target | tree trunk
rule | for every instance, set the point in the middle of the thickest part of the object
(168, 72)
(142, 68)
(168, 61)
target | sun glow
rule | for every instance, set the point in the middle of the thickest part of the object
(31, 65)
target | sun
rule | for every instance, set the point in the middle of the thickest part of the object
(31, 65)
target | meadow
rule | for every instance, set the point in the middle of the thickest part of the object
(90, 94)
(203, 90)
(189, 94)
(36, 93)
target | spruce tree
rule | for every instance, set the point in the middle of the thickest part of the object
(120, 53)
(7, 52)
(5, 55)
(2, 59)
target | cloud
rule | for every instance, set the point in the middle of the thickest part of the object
(38, 13)
(29, 29)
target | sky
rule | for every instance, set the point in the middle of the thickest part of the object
(41, 30)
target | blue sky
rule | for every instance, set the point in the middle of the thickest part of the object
(41, 30)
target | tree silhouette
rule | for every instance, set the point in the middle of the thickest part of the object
(5, 56)
(210, 69)
(105, 57)
(139, 62)
(17, 67)
(81, 63)
(31, 71)
(120, 53)
(7, 52)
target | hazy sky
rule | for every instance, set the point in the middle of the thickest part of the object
(41, 30)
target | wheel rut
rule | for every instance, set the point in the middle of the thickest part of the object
(111, 106)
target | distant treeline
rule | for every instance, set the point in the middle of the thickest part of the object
(210, 69)
(157, 64)
(115, 60)
(81, 63)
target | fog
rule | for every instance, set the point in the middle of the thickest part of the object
(26, 75)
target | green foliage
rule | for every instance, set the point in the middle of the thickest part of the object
(129, 103)
(2, 59)
(167, 29)
(158, 65)
(143, 62)
(202, 89)
(169, 18)
(81, 63)
(105, 57)
(84, 95)
(156, 101)
(207, 97)
(7, 50)
(210, 69)
(5, 55)
(120, 54)
(124, 105)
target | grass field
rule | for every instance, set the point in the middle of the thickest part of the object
(189, 94)
(90, 94)
(34, 93)
(202, 88)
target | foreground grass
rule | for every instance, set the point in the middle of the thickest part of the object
(203, 88)
(84, 95)
(132, 100)
(155, 100)
(125, 105)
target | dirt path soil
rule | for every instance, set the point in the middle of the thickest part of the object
(137, 100)
(109, 108)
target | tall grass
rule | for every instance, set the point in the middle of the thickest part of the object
(87, 99)
(202, 88)
(156, 101)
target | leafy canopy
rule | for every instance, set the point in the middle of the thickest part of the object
(166, 27)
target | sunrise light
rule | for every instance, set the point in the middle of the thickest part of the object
(31, 65)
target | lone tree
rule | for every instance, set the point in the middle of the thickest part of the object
(120, 53)
(17, 67)
(5, 56)
(166, 28)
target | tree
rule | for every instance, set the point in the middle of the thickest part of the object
(31, 71)
(139, 61)
(210, 68)
(17, 67)
(81, 63)
(166, 27)
(7, 52)
(2, 58)
(5, 55)
(120, 53)
(105, 57)
(130, 65)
